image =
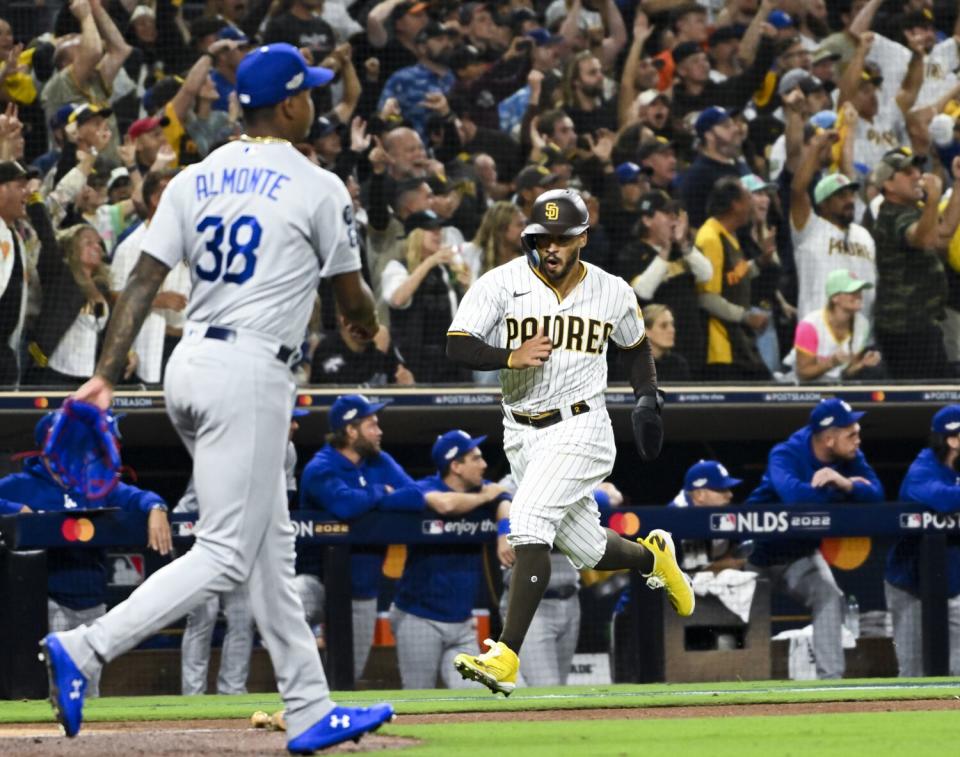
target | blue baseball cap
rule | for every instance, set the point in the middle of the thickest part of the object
(62, 115)
(349, 408)
(233, 34)
(825, 119)
(628, 172)
(542, 37)
(452, 445)
(299, 412)
(709, 118)
(833, 413)
(947, 421)
(709, 474)
(780, 19)
(272, 73)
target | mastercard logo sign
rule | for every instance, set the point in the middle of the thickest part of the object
(77, 529)
(625, 524)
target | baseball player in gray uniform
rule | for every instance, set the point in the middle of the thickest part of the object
(198, 633)
(259, 225)
(544, 320)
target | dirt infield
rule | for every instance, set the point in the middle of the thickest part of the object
(208, 737)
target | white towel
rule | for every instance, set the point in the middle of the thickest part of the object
(734, 588)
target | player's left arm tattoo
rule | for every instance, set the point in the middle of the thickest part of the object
(128, 315)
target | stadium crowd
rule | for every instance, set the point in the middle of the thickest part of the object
(776, 179)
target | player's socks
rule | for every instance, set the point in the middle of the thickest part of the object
(622, 553)
(531, 574)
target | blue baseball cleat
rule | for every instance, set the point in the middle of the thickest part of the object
(340, 724)
(67, 684)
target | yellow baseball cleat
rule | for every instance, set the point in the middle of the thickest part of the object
(666, 574)
(496, 668)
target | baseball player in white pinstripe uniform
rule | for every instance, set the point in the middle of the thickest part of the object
(545, 320)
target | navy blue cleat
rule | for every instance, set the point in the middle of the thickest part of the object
(67, 684)
(340, 724)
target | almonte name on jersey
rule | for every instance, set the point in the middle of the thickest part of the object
(260, 181)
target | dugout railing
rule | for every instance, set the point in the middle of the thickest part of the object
(23, 539)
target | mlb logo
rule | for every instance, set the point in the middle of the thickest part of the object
(911, 520)
(126, 569)
(723, 522)
(185, 528)
(432, 527)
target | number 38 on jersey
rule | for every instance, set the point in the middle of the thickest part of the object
(242, 237)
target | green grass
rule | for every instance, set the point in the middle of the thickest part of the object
(568, 697)
(842, 735)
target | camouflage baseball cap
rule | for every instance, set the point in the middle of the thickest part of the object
(892, 161)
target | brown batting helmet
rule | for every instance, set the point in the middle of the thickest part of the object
(559, 212)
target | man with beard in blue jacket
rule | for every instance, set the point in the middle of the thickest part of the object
(77, 576)
(933, 480)
(819, 464)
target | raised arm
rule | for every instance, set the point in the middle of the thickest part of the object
(89, 50)
(377, 33)
(118, 50)
(864, 19)
(628, 80)
(853, 73)
(923, 233)
(912, 81)
(615, 37)
(800, 206)
(183, 102)
(747, 51)
(351, 84)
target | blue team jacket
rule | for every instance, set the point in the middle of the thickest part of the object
(440, 582)
(790, 467)
(76, 577)
(932, 484)
(346, 491)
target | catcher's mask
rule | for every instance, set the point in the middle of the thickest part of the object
(559, 212)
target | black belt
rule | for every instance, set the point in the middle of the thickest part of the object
(229, 335)
(549, 417)
(564, 592)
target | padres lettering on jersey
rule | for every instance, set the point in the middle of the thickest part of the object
(256, 239)
(513, 302)
(822, 247)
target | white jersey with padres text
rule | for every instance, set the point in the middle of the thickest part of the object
(513, 302)
(258, 225)
(822, 247)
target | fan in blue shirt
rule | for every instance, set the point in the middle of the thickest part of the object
(819, 464)
(933, 480)
(440, 584)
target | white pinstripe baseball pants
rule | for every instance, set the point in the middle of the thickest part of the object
(558, 468)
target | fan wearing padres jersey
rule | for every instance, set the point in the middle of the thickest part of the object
(259, 226)
(545, 320)
(826, 238)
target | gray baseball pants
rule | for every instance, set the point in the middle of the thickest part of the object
(60, 618)
(236, 649)
(811, 581)
(550, 643)
(230, 404)
(907, 631)
(426, 647)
